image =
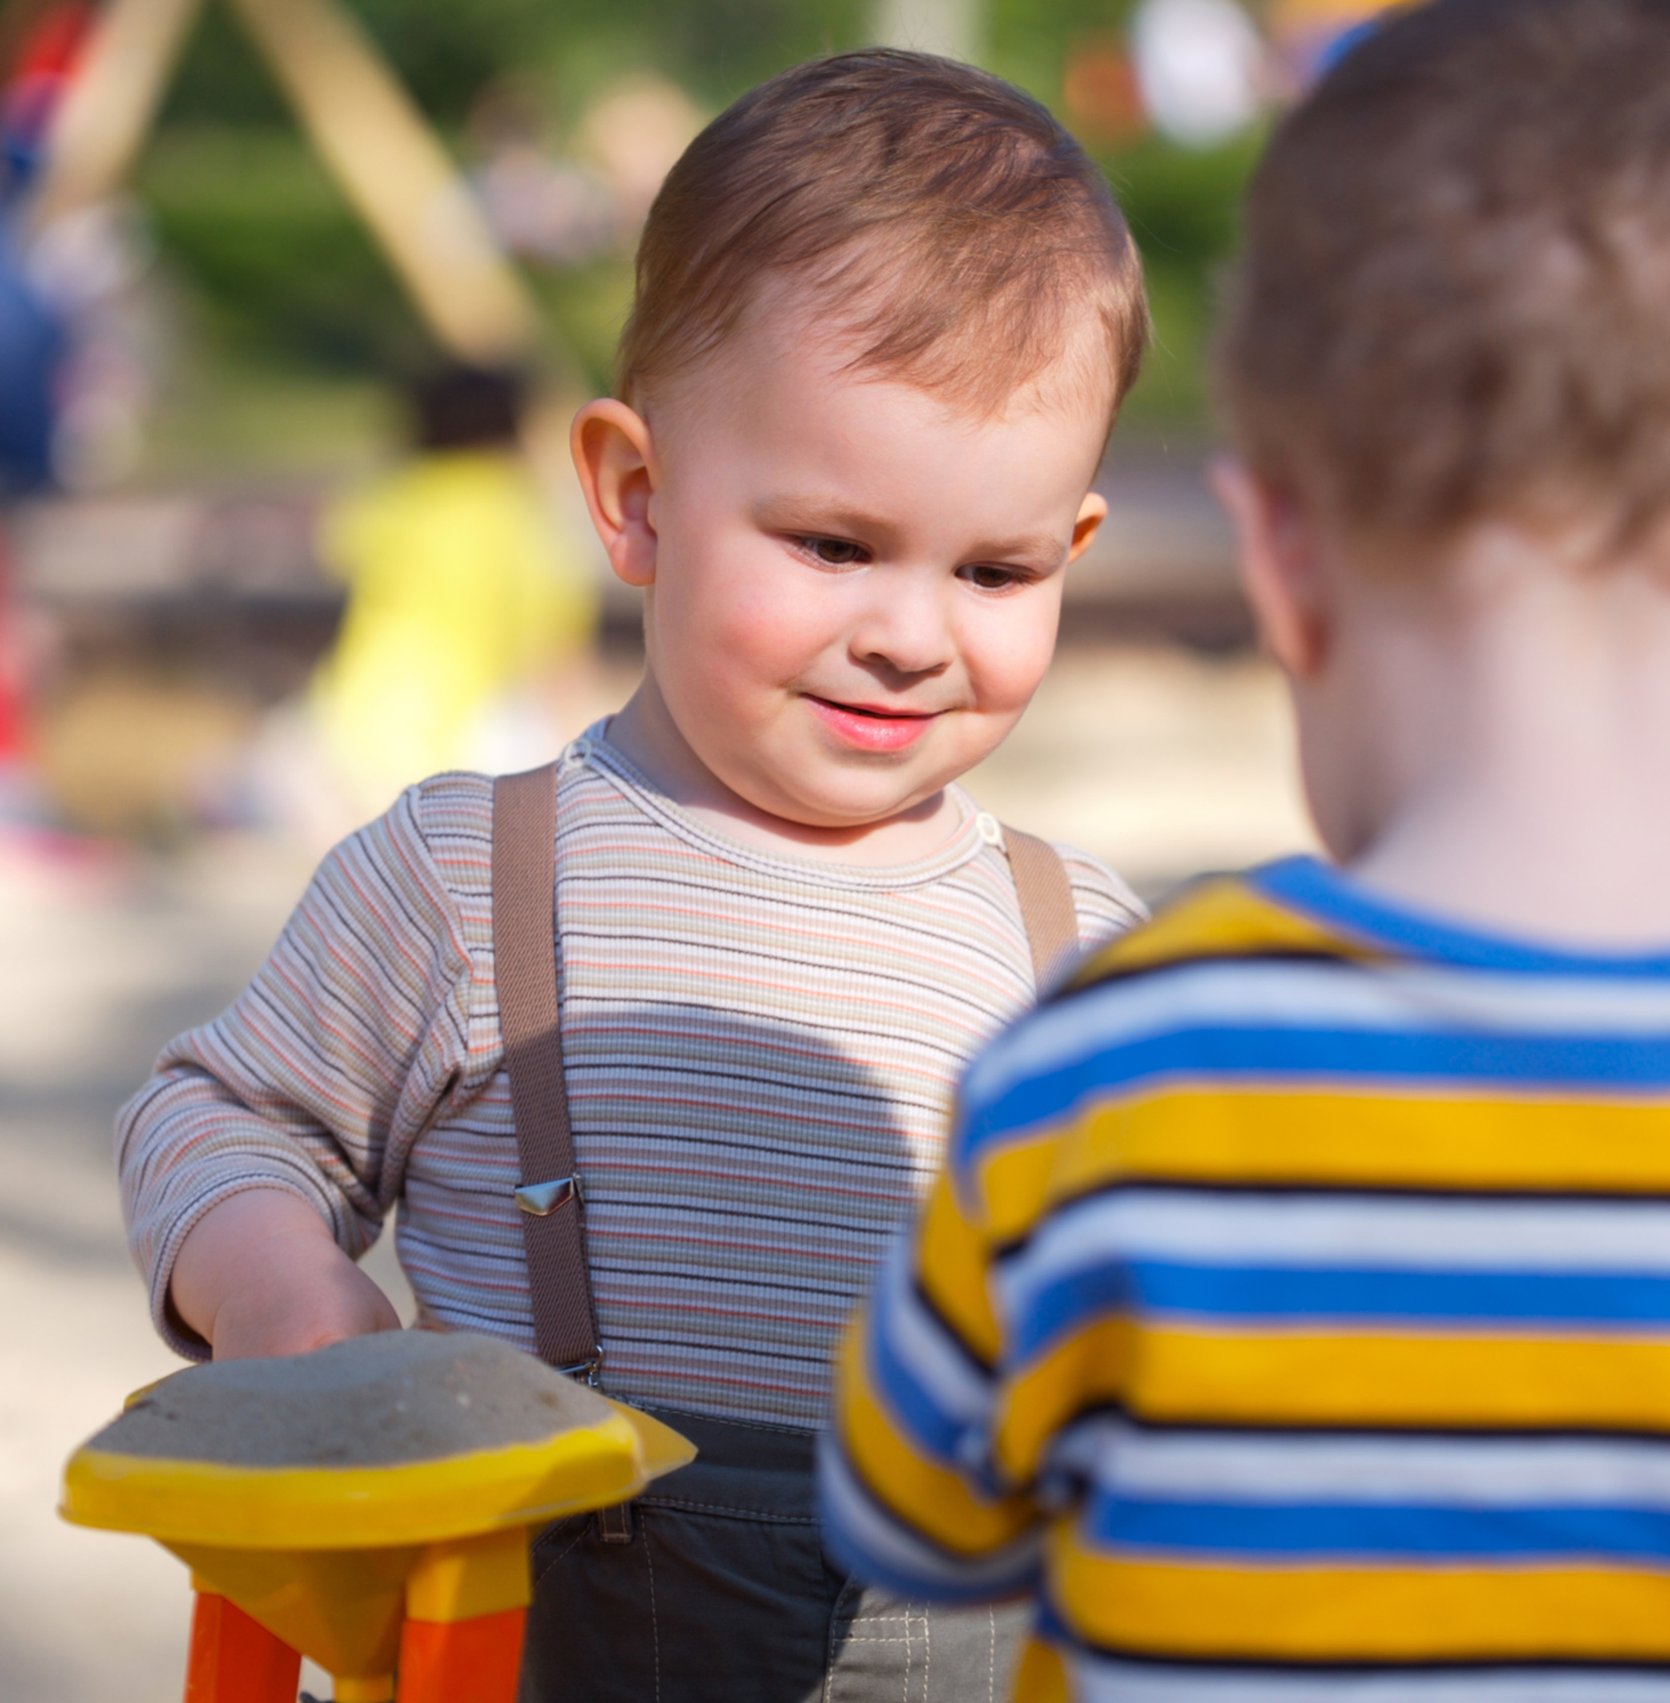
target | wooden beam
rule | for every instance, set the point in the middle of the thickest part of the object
(394, 171)
(107, 110)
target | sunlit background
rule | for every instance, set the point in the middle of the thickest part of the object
(239, 240)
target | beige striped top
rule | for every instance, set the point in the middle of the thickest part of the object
(760, 1054)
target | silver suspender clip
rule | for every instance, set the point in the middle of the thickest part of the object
(585, 1370)
(540, 1199)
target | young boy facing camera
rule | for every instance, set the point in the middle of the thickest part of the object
(886, 311)
(1293, 1320)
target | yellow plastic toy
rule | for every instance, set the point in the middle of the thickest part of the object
(331, 1505)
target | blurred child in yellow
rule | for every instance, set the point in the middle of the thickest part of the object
(462, 601)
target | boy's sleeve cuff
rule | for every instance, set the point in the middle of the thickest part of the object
(174, 1331)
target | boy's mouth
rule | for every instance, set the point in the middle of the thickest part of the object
(871, 727)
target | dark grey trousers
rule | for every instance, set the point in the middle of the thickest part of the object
(713, 1589)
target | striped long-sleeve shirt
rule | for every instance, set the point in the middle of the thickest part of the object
(1293, 1319)
(760, 1056)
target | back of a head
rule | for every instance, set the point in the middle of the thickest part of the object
(937, 215)
(1453, 304)
(461, 407)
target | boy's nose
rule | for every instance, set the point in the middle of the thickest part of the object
(906, 630)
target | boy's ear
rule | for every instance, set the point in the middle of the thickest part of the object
(1278, 553)
(1092, 512)
(614, 457)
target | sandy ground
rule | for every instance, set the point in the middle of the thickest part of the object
(1161, 762)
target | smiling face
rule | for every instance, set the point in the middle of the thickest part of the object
(853, 590)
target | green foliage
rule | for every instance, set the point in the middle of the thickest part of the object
(276, 262)
(281, 272)
(1181, 208)
(586, 307)
(282, 278)
(1029, 43)
(445, 52)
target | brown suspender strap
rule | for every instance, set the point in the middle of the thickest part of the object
(1046, 896)
(525, 970)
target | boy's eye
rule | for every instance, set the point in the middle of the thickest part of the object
(833, 552)
(984, 576)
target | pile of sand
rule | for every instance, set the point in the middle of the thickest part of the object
(373, 1401)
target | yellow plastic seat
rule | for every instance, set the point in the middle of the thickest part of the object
(417, 1569)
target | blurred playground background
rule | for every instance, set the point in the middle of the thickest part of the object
(296, 298)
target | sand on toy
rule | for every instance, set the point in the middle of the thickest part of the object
(383, 1400)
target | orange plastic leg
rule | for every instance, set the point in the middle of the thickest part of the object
(442, 1661)
(235, 1659)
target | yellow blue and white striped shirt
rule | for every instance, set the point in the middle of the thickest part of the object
(1293, 1319)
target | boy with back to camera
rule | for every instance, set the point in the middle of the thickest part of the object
(886, 311)
(1293, 1319)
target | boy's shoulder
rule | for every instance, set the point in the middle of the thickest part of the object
(1216, 919)
(455, 801)
(1105, 903)
(437, 833)
(1212, 953)
(451, 813)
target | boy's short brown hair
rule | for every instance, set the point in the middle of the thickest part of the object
(930, 210)
(1454, 301)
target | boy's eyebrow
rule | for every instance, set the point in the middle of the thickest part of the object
(812, 513)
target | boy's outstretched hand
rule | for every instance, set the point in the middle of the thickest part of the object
(260, 1274)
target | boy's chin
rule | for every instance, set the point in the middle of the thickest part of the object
(840, 817)
(844, 812)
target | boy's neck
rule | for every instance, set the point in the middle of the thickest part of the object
(1526, 768)
(646, 735)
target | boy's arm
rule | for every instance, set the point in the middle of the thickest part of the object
(301, 1102)
(260, 1274)
(908, 1494)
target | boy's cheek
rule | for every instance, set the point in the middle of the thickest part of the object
(1016, 652)
(729, 615)
(759, 630)
(1005, 681)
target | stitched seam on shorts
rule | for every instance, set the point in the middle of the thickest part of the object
(836, 1636)
(551, 1561)
(654, 1617)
